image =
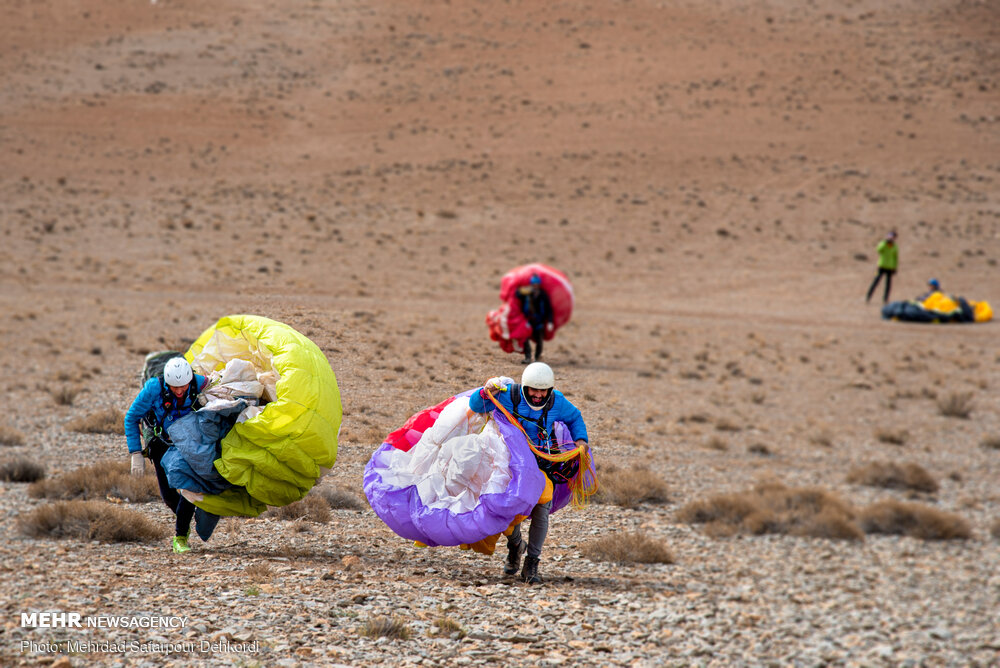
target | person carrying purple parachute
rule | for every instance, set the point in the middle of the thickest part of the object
(466, 471)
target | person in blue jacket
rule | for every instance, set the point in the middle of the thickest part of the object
(537, 309)
(160, 402)
(933, 285)
(536, 404)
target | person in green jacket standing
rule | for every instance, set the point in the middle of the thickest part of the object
(888, 261)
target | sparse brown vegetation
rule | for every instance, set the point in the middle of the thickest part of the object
(774, 508)
(339, 499)
(10, 436)
(892, 436)
(629, 487)
(89, 520)
(21, 470)
(259, 572)
(990, 443)
(717, 443)
(912, 519)
(393, 628)
(313, 508)
(108, 421)
(822, 438)
(956, 405)
(725, 424)
(995, 529)
(894, 476)
(448, 627)
(98, 481)
(64, 395)
(628, 548)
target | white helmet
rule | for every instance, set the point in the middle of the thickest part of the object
(538, 375)
(177, 372)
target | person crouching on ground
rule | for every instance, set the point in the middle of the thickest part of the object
(933, 285)
(161, 402)
(536, 404)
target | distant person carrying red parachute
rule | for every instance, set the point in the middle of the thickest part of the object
(537, 301)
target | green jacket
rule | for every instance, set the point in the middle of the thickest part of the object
(888, 255)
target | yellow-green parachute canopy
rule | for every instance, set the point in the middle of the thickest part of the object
(276, 457)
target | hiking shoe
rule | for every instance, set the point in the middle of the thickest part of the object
(514, 555)
(529, 573)
(526, 360)
(181, 545)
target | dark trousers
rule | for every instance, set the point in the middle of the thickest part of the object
(538, 531)
(888, 283)
(538, 338)
(181, 507)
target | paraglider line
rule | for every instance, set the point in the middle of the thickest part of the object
(584, 483)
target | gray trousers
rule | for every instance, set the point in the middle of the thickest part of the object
(536, 534)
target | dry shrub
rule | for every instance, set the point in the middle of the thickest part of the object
(823, 439)
(446, 626)
(98, 481)
(725, 424)
(10, 436)
(995, 530)
(629, 487)
(21, 470)
(65, 395)
(893, 476)
(108, 421)
(312, 507)
(956, 404)
(260, 572)
(628, 548)
(913, 519)
(990, 443)
(89, 520)
(339, 499)
(892, 436)
(393, 628)
(716, 443)
(774, 508)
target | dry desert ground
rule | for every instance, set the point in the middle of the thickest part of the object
(712, 176)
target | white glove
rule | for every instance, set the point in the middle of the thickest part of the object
(138, 464)
(498, 383)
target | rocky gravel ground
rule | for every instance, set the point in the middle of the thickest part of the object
(713, 177)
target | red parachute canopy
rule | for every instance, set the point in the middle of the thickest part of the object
(507, 324)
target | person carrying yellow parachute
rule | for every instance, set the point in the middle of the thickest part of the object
(267, 428)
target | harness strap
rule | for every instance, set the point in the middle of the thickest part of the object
(543, 432)
(584, 483)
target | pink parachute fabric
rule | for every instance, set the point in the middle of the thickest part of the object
(449, 476)
(507, 324)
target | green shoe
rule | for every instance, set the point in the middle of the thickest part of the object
(181, 545)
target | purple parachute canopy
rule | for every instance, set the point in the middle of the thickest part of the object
(408, 515)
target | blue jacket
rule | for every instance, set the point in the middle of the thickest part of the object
(151, 398)
(562, 411)
(536, 307)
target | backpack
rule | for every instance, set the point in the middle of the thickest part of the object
(559, 473)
